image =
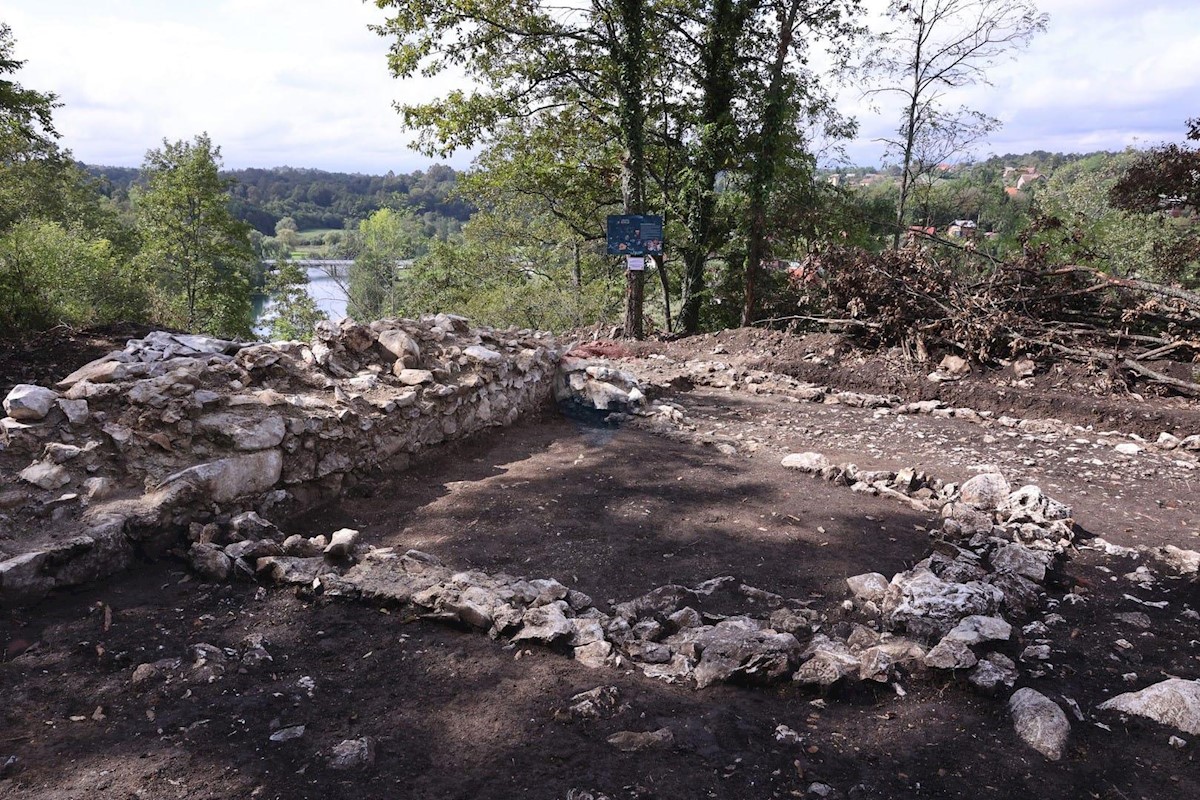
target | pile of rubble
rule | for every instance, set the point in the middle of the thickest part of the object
(994, 552)
(129, 451)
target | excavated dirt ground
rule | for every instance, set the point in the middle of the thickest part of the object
(616, 512)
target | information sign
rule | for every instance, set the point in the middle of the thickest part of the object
(635, 235)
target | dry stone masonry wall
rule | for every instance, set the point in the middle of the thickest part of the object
(177, 430)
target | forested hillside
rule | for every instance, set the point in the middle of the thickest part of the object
(316, 199)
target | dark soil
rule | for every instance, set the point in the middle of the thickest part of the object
(1061, 390)
(50, 355)
(611, 512)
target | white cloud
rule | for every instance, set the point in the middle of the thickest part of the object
(305, 83)
(1106, 74)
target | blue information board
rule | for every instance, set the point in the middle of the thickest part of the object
(635, 234)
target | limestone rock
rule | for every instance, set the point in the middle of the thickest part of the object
(1174, 702)
(545, 624)
(412, 377)
(76, 410)
(103, 370)
(729, 648)
(806, 462)
(950, 654)
(594, 655)
(288, 569)
(1178, 560)
(483, 355)
(402, 346)
(1024, 367)
(826, 661)
(246, 434)
(985, 491)
(1039, 722)
(927, 606)
(977, 629)
(209, 561)
(353, 754)
(868, 587)
(46, 475)
(237, 476)
(341, 543)
(598, 703)
(1021, 560)
(956, 366)
(994, 672)
(1030, 504)
(28, 402)
(634, 741)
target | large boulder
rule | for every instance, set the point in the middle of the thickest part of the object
(1174, 702)
(1039, 722)
(28, 402)
(985, 491)
(229, 478)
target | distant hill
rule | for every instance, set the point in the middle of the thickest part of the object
(318, 199)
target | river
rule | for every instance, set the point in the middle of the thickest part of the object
(328, 293)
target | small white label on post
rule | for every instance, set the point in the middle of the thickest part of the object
(635, 263)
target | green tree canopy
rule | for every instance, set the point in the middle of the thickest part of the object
(195, 254)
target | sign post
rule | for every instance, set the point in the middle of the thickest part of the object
(634, 236)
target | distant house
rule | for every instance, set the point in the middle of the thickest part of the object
(1028, 178)
(1011, 191)
(962, 229)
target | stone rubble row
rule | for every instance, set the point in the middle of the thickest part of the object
(129, 450)
(720, 375)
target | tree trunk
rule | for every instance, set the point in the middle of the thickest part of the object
(770, 150)
(910, 135)
(717, 130)
(660, 265)
(632, 113)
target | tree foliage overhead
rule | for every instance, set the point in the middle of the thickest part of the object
(26, 124)
(701, 110)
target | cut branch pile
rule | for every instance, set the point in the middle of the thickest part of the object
(1146, 331)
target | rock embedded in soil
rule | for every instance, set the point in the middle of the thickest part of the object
(1039, 722)
(288, 734)
(806, 462)
(353, 754)
(635, 741)
(993, 673)
(210, 561)
(46, 475)
(1174, 702)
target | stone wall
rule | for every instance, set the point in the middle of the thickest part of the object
(131, 451)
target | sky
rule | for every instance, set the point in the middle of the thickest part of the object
(304, 83)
